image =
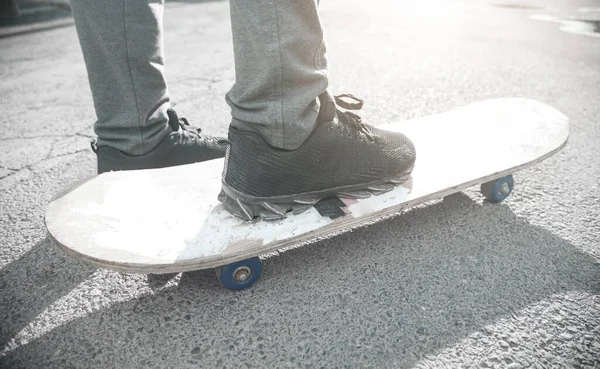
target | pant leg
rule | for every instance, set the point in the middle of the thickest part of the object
(122, 44)
(280, 68)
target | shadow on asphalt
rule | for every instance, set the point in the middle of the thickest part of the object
(366, 296)
(45, 275)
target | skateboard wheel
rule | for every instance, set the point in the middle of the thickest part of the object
(498, 189)
(239, 275)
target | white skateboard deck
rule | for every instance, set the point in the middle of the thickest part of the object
(169, 220)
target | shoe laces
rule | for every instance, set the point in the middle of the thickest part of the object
(182, 123)
(349, 120)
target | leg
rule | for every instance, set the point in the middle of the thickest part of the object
(9, 9)
(290, 145)
(280, 69)
(122, 46)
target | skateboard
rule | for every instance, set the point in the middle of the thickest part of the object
(169, 220)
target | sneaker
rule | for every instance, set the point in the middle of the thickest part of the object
(342, 157)
(9, 10)
(184, 145)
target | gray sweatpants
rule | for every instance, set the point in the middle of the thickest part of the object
(280, 69)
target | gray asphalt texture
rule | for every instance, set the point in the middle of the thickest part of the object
(454, 283)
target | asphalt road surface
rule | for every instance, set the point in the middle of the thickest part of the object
(454, 283)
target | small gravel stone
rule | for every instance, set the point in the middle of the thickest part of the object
(566, 336)
(572, 329)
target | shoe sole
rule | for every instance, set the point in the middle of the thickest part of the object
(274, 208)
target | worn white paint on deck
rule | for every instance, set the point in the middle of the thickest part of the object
(169, 220)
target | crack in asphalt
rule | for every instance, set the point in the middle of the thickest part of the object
(30, 137)
(51, 104)
(48, 157)
(78, 133)
(30, 167)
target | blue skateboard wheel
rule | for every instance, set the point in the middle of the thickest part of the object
(241, 274)
(498, 189)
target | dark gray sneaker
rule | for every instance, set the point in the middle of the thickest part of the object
(342, 157)
(9, 10)
(184, 145)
